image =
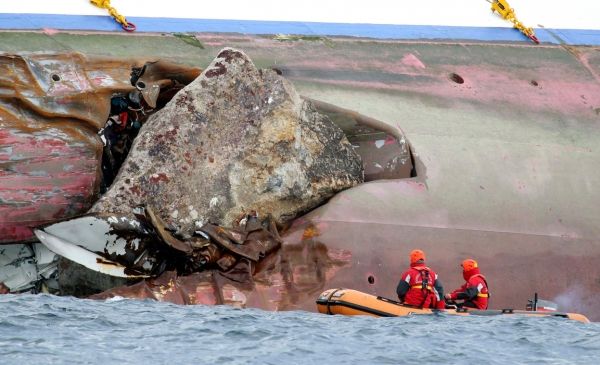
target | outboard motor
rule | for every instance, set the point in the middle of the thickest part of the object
(541, 305)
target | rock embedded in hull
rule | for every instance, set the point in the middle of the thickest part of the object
(234, 140)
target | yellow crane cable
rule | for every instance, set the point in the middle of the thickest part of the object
(105, 4)
(508, 13)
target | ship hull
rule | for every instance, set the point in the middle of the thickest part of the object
(505, 143)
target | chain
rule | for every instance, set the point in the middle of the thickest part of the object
(105, 4)
(508, 13)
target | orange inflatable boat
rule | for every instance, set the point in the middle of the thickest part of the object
(352, 302)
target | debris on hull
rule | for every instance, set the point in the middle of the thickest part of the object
(28, 268)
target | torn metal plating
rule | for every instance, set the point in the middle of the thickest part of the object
(143, 247)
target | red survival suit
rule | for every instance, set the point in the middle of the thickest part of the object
(474, 292)
(419, 287)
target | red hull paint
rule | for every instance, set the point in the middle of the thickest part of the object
(46, 175)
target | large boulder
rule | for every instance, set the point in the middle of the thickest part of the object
(236, 139)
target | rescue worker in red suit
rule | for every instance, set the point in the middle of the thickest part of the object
(419, 286)
(475, 291)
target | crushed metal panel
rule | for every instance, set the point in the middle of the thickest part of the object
(82, 256)
(19, 272)
(43, 256)
(110, 239)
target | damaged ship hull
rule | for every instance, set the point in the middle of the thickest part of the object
(505, 157)
(51, 109)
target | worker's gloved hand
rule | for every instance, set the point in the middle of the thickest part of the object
(447, 297)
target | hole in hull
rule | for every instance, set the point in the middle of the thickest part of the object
(457, 78)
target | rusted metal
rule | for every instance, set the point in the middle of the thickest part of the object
(159, 228)
(287, 277)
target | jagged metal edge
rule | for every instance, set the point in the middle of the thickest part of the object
(82, 256)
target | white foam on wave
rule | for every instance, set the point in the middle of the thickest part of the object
(116, 298)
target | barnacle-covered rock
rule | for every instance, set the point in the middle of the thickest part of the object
(236, 139)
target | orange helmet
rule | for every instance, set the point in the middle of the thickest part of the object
(469, 264)
(416, 255)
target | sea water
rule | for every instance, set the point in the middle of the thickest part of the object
(44, 329)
